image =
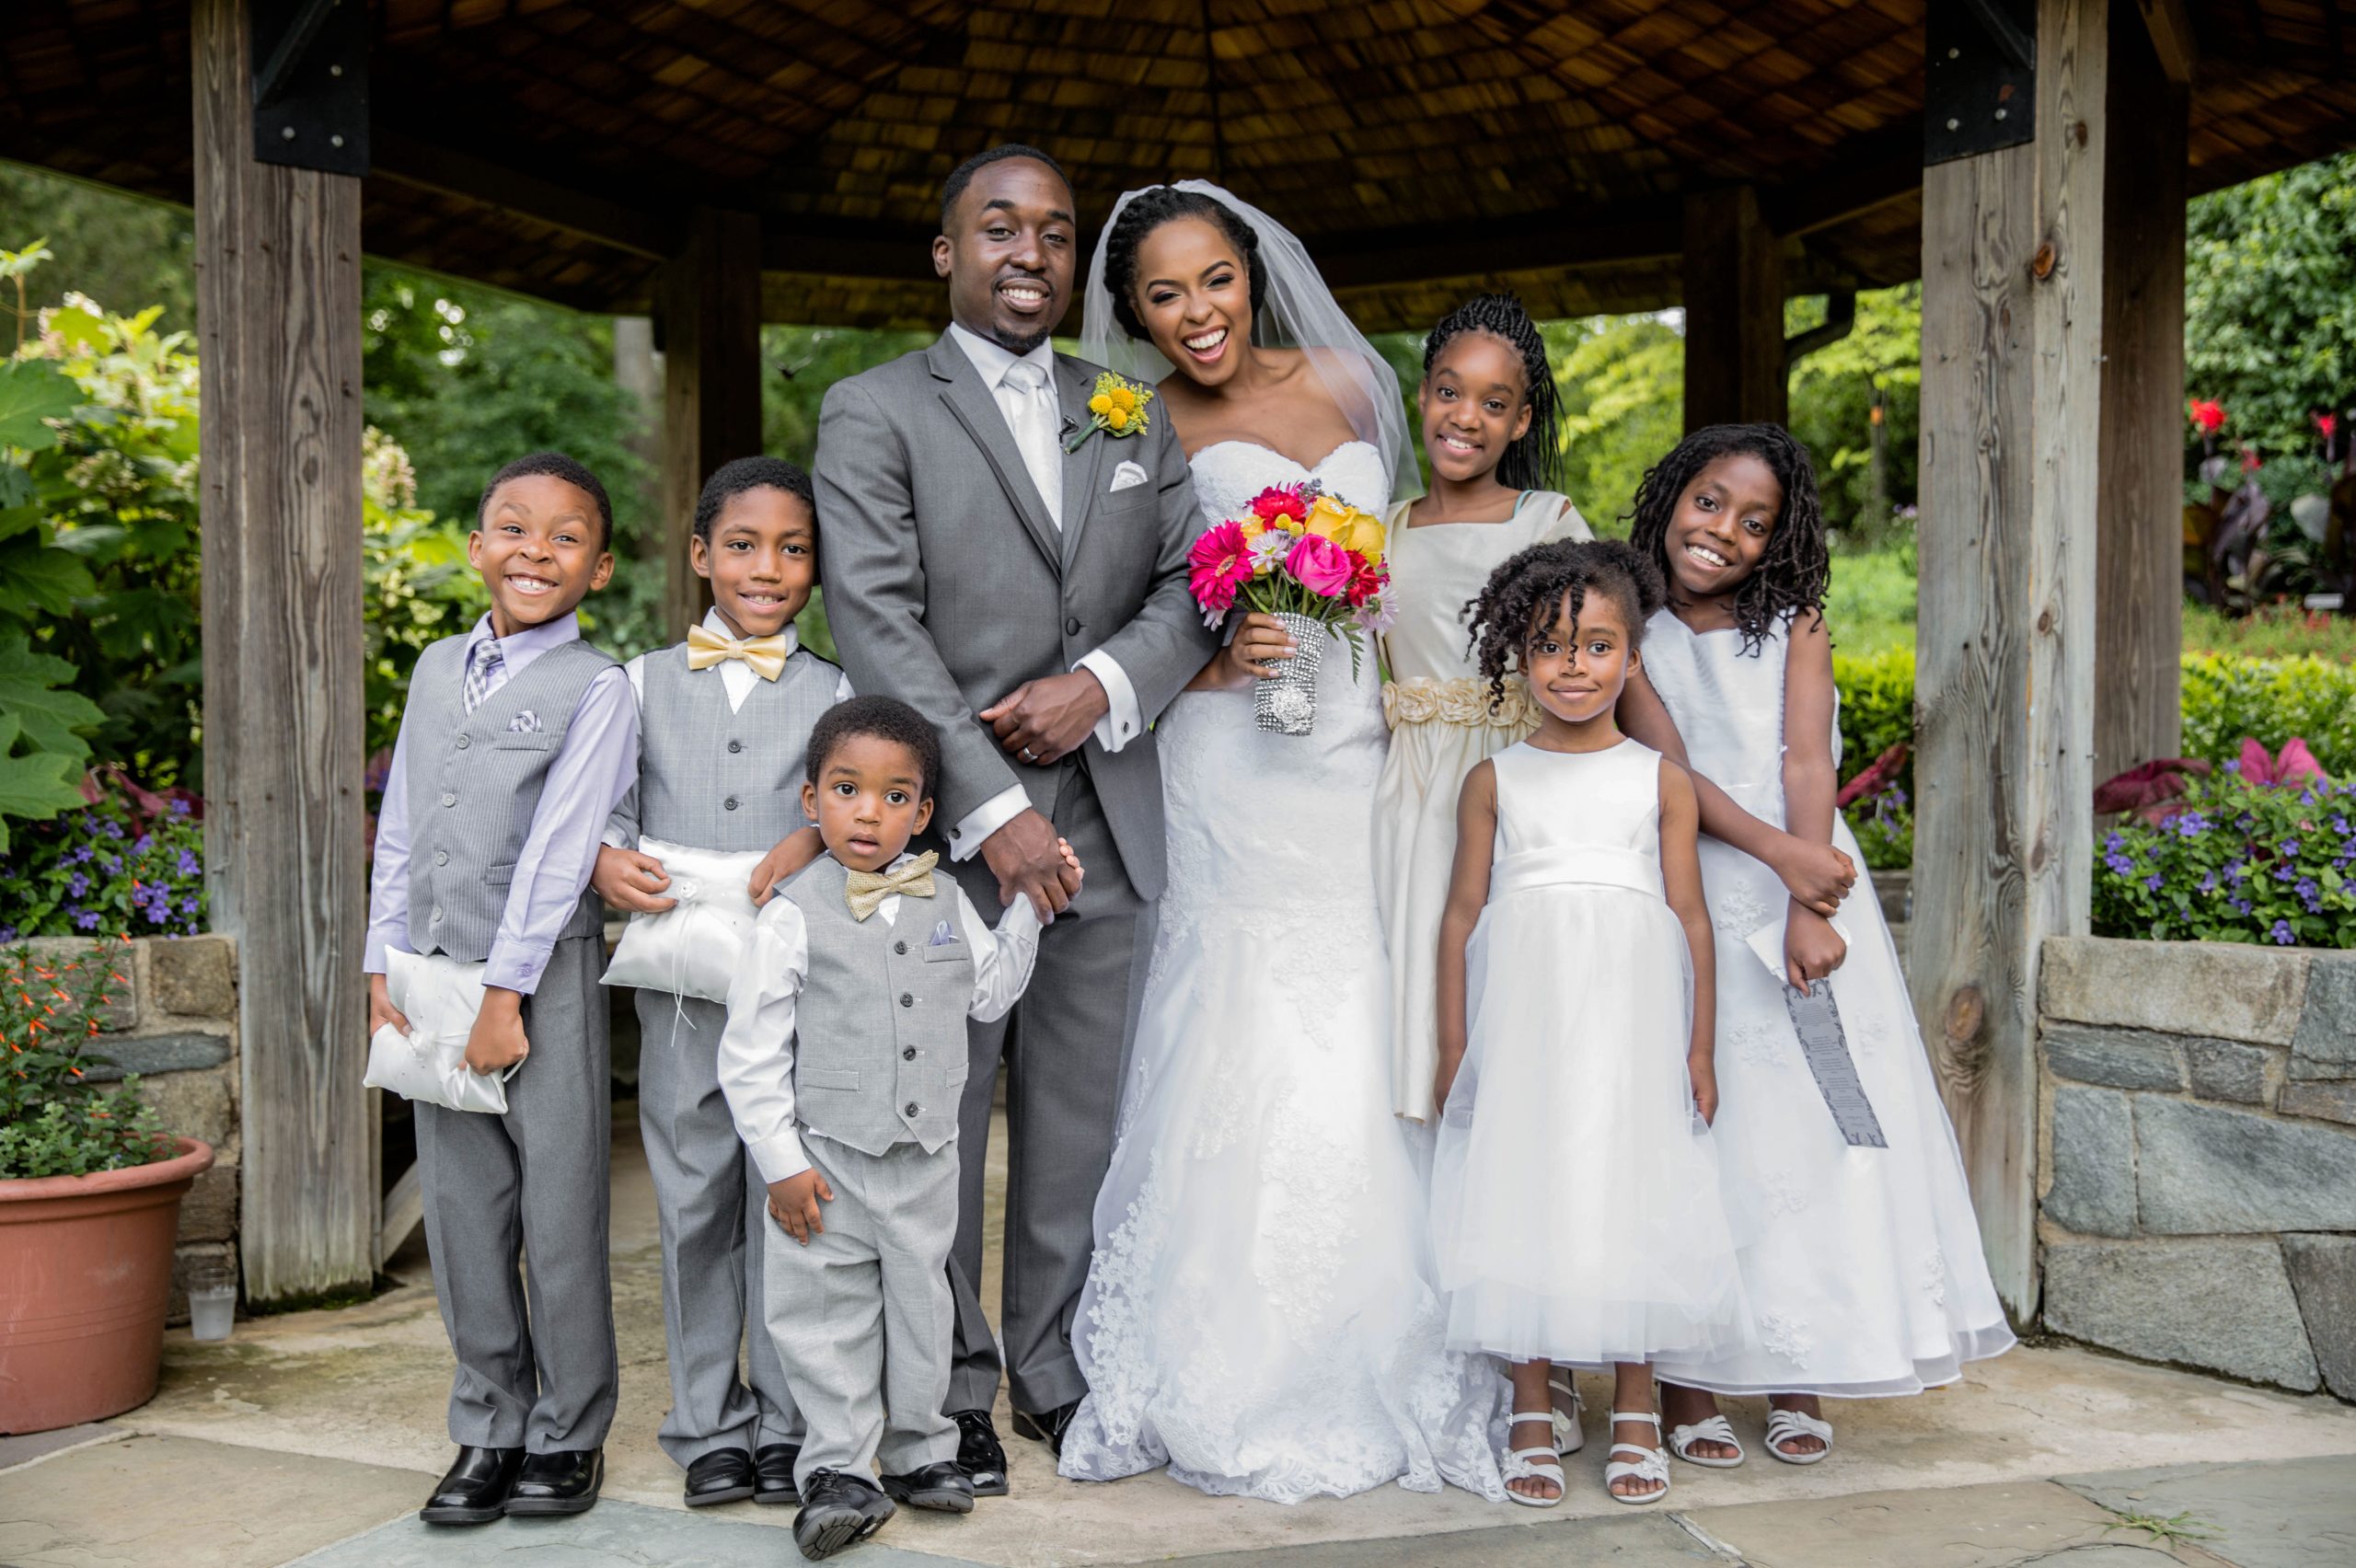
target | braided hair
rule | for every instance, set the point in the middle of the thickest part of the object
(1537, 460)
(1147, 211)
(1791, 576)
(738, 474)
(554, 465)
(1521, 598)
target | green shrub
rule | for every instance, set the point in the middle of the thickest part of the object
(2227, 697)
(55, 1120)
(101, 869)
(2244, 863)
(1877, 707)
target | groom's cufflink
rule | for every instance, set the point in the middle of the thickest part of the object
(1125, 475)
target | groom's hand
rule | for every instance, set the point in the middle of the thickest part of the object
(1030, 862)
(1044, 721)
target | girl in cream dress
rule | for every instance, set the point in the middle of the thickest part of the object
(1492, 431)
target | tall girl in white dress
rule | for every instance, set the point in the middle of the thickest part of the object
(1863, 1266)
(1260, 1314)
(1575, 1202)
(1492, 431)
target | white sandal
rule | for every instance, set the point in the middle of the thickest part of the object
(1537, 1464)
(1716, 1429)
(1652, 1466)
(1783, 1425)
(1569, 1435)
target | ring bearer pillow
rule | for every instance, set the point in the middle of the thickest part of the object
(690, 949)
(440, 997)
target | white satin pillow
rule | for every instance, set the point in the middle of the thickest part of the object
(691, 948)
(440, 997)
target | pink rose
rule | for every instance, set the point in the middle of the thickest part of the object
(1221, 564)
(1321, 566)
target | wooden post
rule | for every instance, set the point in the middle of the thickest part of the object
(2012, 394)
(1734, 311)
(2139, 581)
(710, 338)
(278, 317)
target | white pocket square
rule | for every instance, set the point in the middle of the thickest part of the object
(526, 722)
(1127, 475)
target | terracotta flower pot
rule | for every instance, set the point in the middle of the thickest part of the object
(85, 1273)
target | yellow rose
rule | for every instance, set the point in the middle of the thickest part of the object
(1346, 526)
(1117, 418)
(1251, 528)
(1099, 404)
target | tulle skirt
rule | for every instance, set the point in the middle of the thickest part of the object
(1575, 1203)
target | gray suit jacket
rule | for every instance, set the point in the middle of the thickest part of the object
(948, 585)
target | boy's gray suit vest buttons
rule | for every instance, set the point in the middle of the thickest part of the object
(718, 780)
(880, 1054)
(473, 782)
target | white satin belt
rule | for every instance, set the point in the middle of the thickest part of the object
(1422, 699)
(1588, 866)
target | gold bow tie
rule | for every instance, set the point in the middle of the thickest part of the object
(866, 891)
(764, 655)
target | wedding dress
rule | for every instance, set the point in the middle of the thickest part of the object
(1260, 1314)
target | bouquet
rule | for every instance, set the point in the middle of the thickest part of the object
(1314, 562)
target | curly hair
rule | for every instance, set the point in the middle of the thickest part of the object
(963, 175)
(884, 719)
(738, 474)
(554, 465)
(1537, 460)
(1521, 598)
(1147, 211)
(1791, 576)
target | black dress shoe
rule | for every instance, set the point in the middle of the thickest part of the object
(475, 1491)
(838, 1510)
(942, 1487)
(773, 1472)
(563, 1483)
(724, 1475)
(979, 1452)
(1047, 1426)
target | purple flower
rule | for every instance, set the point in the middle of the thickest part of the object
(2288, 849)
(87, 920)
(113, 863)
(2234, 764)
(2238, 871)
(7, 933)
(139, 845)
(178, 808)
(2283, 933)
(114, 830)
(82, 855)
(2339, 825)
(2154, 881)
(2285, 873)
(2119, 865)
(2241, 905)
(78, 883)
(188, 905)
(2113, 843)
(2209, 882)
(189, 866)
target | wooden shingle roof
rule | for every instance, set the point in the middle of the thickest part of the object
(1418, 147)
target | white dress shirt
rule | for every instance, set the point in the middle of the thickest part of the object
(756, 1048)
(592, 769)
(1123, 717)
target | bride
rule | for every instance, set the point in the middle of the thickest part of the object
(1260, 1315)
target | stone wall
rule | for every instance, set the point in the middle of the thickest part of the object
(2197, 1134)
(176, 1026)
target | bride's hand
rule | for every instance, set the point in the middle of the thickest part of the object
(1261, 644)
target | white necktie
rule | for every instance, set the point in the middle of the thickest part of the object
(1029, 405)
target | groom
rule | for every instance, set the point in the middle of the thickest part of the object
(1029, 598)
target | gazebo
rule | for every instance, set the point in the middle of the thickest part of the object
(722, 163)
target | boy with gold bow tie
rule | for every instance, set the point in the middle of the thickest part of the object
(723, 720)
(843, 1062)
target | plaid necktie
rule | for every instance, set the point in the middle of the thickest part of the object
(486, 670)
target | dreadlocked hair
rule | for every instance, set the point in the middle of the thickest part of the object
(1536, 461)
(1147, 211)
(1791, 576)
(1521, 597)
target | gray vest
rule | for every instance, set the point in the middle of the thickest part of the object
(720, 780)
(879, 1056)
(474, 783)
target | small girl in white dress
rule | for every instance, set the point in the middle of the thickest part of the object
(1862, 1264)
(1492, 431)
(1575, 1212)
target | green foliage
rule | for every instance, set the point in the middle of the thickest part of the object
(105, 867)
(2227, 699)
(418, 585)
(1885, 830)
(1877, 707)
(1622, 384)
(2244, 863)
(55, 1120)
(2277, 633)
(2271, 302)
(801, 362)
(106, 242)
(1870, 606)
(1832, 399)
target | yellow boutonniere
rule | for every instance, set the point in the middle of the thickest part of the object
(1117, 407)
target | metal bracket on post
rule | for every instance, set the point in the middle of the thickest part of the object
(310, 68)
(1978, 78)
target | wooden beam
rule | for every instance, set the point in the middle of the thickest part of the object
(1734, 311)
(709, 329)
(1650, 231)
(405, 160)
(2013, 261)
(2176, 47)
(278, 314)
(2138, 552)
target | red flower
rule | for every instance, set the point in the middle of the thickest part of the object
(2208, 414)
(2250, 459)
(1323, 567)
(2328, 425)
(1366, 581)
(1221, 560)
(1280, 501)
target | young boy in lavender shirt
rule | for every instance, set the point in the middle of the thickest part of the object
(517, 740)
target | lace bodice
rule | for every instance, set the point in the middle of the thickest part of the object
(1227, 474)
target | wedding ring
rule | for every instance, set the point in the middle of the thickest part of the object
(1027, 756)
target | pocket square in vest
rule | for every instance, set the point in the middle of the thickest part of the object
(526, 722)
(1126, 477)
